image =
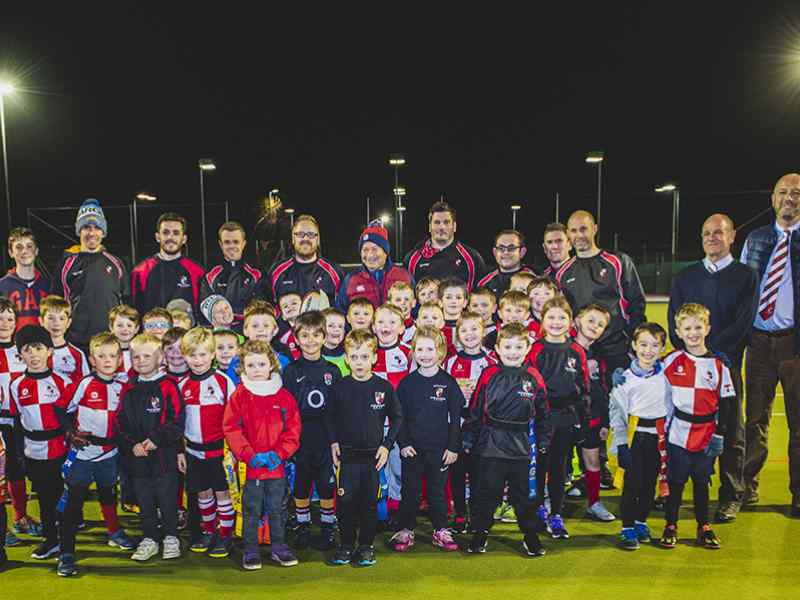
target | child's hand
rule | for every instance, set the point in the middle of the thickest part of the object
(407, 452)
(382, 455)
(182, 463)
(449, 458)
(139, 450)
(604, 433)
(335, 454)
(149, 445)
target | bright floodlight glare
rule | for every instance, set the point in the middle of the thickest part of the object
(397, 159)
(385, 219)
(289, 211)
(145, 197)
(401, 208)
(667, 187)
(6, 88)
(595, 156)
(515, 206)
(206, 164)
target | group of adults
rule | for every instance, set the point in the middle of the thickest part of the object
(754, 302)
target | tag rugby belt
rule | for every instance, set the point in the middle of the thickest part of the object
(695, 418)
(507, 425)
(218, 445)
(43, 436)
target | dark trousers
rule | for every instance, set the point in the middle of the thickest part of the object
(74, 509)
(681, 466)
(45, 475)
(427, 463)
(314, 466)
(3, 526)
(493, 475)
(159, 491)
(731, 462)
(356, 503)
(770, 360)
(552, 466)
(460, 471)
(260, 495)
(640, 479)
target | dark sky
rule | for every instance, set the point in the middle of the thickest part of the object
(492, 106)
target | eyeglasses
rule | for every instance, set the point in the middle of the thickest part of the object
(502, 249)
(305, 235)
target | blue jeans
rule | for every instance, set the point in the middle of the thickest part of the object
(102, 472)
(260, 495)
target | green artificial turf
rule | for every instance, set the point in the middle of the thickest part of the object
(758, 560)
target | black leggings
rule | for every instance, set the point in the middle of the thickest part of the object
(462, 469)
(45, 476)
(73, 512)
(554, 465)
(640, 479)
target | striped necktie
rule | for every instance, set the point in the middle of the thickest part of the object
(769, 295)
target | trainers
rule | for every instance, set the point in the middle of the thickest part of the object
(11, 538)
(251, 560)
(203, 543)
(29, 526)
(282, 555)
(45, 550)
(628, 539)
(727, 512)
(171, 548)
(221, 547)
(402, 540)
(498, 512)
(478, 543)
(3, 558)
(544, 516)
(302, 536)
(459, 525)
(342, 556)
(555, 525)
(606, 479)
(707, 538)
(66, 565)
(669, 539)
(129, 507)
(183, 519)
(532, 546)
(146, 550)
(599, 512)
(327, 538)
(509, 516)
(642, 532)
(750, 498)
(443, 538)
(365, 556)
(118, 539)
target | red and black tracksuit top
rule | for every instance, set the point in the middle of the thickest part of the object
(499, 281)
(155, 282)
(238, 281)
(457, 260)
(565, 372)
(295, 277)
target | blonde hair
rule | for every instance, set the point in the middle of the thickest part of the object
(513, 330)
(431, 333)
(399, 286)
(557, 302)
(259, 347)
(515, 298)
(388, 307)
(693, 309)
(195, 338)
(259, 309)
(358, 337)
(104, 338)
(54, 303)
(144, 339)
(123, 310)
(468, 316)
(429, 306)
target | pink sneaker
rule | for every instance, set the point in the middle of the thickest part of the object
(402, 540)
(443, 538)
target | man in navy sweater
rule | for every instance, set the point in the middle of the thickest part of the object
(729, 289)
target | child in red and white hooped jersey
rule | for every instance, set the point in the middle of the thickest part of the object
(431, 314)
(701, 396)
(205, 392)
(124, 322)
(67, 360)
(453, 296)
(401, 295)
(394, 357)
(466, 367)
(483, 302)
(11, 365)
(39, 398)
(290, 309)
(93, 406)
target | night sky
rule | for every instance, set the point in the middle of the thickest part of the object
(491, 106)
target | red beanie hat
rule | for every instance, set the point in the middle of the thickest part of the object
(375, 233)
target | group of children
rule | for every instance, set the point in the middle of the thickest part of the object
(449, 395)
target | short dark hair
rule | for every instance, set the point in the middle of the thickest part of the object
(312, 320)
(452, 282)
(654, 329)
(171, 216)
(21, 232)
(441, 206)
(519, 234)
(231, 226)
(551, 227)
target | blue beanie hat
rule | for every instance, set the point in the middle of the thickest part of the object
(376, 233)
(90, 213)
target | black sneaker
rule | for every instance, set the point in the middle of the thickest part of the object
(302, 536)
(327, 539)
(606, 479)
(669, 539)
(365, 556)
(66, 565)
(707, 538)
(342, 556)
(532, 546)
(221, 547)
(45, 550)
(203, 543)
(477, 544)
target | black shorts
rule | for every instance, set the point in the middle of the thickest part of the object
(314, 466)
(682, 464)
(205, 474)
(592, 440)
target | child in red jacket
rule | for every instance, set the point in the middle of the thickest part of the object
(262, 427)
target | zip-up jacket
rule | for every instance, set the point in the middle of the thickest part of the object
(457, 260)
(25, 294)
(237, 281)
(156, 281)
(291, 276)
(499, 281)
(372, 286)
(566, 375)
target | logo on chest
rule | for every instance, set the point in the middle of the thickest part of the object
(380, 401)
(154, 405)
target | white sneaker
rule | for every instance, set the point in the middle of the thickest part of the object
(600, 512)
(172, 548)
(146, 550)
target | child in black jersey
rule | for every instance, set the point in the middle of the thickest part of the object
(562, 364)
(310, 380)
(357, 410)
(429, 439)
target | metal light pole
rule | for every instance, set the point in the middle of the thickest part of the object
(596, 157)
(290, 212)
(676, 198)
(367, 210)
(397, 160)
(514, 209)
(204, 164)
(144, 198)
(5, 90)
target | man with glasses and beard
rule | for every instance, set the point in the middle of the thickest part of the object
(306, 271)
(508, 250)
(168, 274)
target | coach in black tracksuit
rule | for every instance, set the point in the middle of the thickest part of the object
(355, 418)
